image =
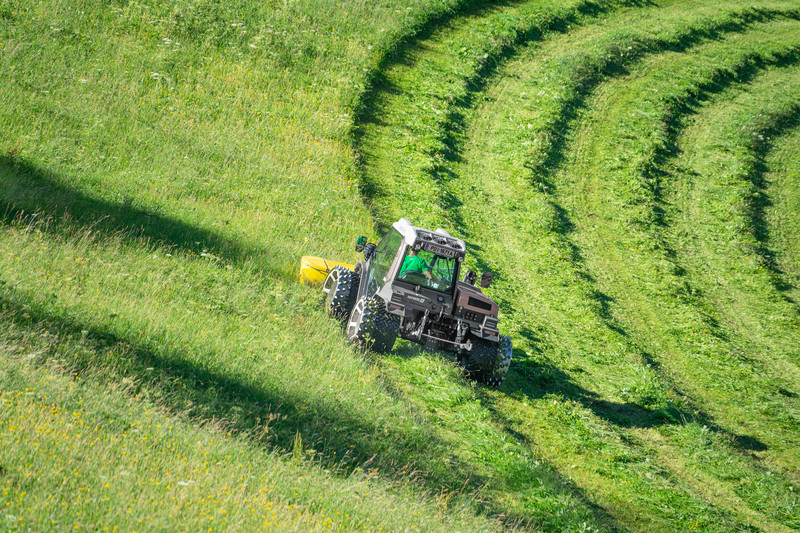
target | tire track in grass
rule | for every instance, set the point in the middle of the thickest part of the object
(602, 214)
(508, 198)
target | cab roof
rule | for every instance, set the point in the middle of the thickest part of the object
(414, 235)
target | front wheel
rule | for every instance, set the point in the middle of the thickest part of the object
(370, 326)
(340, 288)
(488, 362)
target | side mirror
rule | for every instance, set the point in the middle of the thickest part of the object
(361, 241)
(486, 279)
(470, 277)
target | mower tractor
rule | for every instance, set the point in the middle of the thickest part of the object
(408, 286)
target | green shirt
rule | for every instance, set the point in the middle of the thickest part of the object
(415, 263)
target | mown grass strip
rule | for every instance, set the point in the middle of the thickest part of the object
(779, 176)
(736, 26)
(517, 202)
(420, 95)
(243, 368)
(597, 219)
(730, 198)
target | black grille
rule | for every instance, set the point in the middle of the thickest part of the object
(480, 304)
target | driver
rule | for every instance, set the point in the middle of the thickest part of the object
(414, 263)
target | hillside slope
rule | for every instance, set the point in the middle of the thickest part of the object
(627, 169)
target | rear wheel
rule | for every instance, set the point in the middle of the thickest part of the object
(370, 326)
(488, 362)
(340, 288)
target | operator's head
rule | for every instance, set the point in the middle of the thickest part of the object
(412, 252)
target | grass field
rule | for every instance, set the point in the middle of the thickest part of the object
(628, 170)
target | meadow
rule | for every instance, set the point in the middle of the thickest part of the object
(627, 169)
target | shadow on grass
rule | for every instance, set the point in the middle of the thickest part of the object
(28, 192)
(535, 380)
(267, 414)
(760, 201)
(369, 107)
(543, 379)
(615, 63)
(515, 473)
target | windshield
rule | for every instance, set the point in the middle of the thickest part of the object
(428, 269)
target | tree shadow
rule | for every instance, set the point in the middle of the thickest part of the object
(266, 414)
(31, 193)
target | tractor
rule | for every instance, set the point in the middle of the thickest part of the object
(408, 286)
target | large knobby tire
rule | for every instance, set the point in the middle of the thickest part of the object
(340, 289)
(488, 362)
(370, 326)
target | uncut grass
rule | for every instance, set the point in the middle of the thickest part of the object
(91, 454)
(641, 370)
(218, 352)
(121, 112)
(780, 177)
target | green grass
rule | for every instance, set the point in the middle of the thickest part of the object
(779, 166)
(627, 169)
(598, 367)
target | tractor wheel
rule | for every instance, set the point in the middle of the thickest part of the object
(370, 326)
(340, 288)
(488, 362)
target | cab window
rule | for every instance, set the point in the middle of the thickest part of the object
(384, 254)
(428, 269)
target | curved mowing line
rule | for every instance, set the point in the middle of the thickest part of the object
(735, 138)
(594, 294)
(423, 87)
(750, 144)
(476, 229)
(619, 56)
(780, 124)
(584, 74)
(668, 154)
(778, 170)
(646, 280)
(435, 168)
(637, 296)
